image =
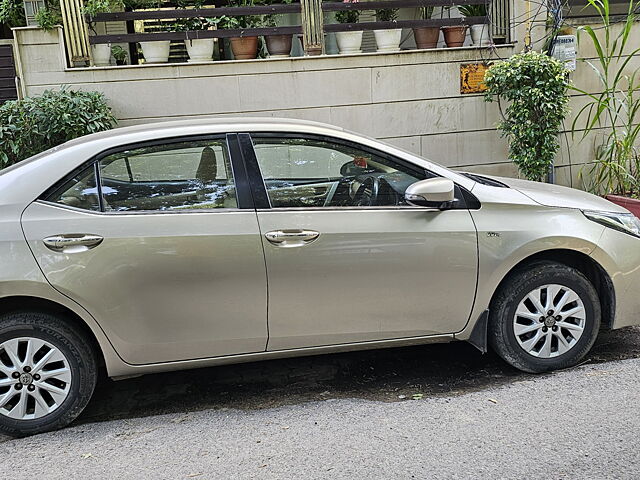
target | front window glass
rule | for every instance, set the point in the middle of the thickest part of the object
(300, 172)
(178, 176)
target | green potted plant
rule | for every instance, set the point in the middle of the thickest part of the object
(156, 51)
(387, 40)
(243, 47)
(615, 173)
(100, 52)
(480, 33)
(119, 55)
(278, 46)
(199, 49)
(349, 42)
(426, 37)
(153, 51)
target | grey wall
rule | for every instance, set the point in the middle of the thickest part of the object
(411, 99)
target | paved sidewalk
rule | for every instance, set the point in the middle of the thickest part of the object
(579, 423)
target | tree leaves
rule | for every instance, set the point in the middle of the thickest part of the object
(535, 87)
(35, 124)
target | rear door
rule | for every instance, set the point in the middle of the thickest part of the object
(347, 259)
(160, 243)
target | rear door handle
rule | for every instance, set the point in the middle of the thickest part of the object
(291, 237)
(74, 242)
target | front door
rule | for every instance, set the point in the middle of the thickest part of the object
(347, 259)
(163, 251)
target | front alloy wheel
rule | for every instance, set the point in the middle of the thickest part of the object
(549, 321)
(545, 316)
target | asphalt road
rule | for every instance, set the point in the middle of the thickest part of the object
(440, 411)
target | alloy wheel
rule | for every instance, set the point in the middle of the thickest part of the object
(35, 378)
(549, 321)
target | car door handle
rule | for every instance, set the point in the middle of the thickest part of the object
(75, 242)
(291, 238)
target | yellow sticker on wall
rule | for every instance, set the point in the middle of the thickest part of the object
(472, 77)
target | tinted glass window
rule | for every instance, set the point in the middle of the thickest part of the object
(79, 191)
(301, 172)
(179, 176)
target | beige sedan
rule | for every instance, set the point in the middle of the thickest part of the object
(190, 244)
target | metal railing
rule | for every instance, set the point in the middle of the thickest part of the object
(312, 28)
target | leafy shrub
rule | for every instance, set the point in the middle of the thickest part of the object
(387, 14)
(348, 16)
(35, 124)
(535, 86)
(49, 17)
(12, 13)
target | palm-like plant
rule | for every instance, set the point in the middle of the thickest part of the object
(473, 10)
(617, 164)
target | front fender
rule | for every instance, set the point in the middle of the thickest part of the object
(508, 236)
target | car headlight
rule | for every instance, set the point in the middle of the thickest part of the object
(623, 222)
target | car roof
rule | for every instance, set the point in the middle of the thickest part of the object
(217, 123)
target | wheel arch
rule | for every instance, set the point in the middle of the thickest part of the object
(476, 331)
(582, 262)
(18, 303)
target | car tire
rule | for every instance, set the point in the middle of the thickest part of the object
(519, 335)
(56, 369)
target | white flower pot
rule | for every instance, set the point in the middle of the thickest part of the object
(388, 40)
(349, 42)
(156, 52)
(101, 54)
(200, 49)
(480, 35)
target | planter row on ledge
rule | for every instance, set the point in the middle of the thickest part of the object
(279, 46)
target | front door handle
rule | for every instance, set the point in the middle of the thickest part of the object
(74, 242)
(292, 237)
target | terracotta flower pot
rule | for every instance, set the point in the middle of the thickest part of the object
(244, 47)
(279, 46)
(426, 37)
(454, 35)
(631, 204)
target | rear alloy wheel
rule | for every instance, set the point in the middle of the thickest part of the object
(37, 378)
(47, 373)
(545, 317)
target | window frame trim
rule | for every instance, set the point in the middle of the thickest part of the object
(235, 159)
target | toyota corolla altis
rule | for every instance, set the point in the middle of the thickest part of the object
(191, 244)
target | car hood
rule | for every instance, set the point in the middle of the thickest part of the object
(559, 196)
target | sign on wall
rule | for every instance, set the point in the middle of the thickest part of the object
(564, 49)
(472, 77)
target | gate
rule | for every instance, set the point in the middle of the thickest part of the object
(8, 89)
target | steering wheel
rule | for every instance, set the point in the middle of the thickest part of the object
(367, 194)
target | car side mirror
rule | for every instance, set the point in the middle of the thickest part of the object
(432, 192)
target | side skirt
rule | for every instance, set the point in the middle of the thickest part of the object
(127, 370)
